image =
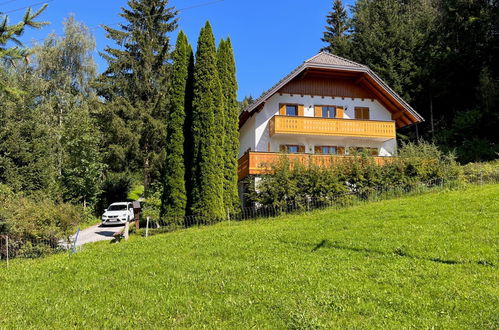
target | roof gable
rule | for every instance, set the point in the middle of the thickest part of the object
(405, 115)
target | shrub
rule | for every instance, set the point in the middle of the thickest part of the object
(36, 226)
(482, 172)
(293, 183)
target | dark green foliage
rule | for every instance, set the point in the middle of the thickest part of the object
(188, 138)
(227, 73)
(115, 188)
(173, 201)
(134, 87)
(337, 35)
(441, 56)
(292, 183)
(389, 36)
(207, 131)
(27, 145)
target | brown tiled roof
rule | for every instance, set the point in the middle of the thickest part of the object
(330, 59)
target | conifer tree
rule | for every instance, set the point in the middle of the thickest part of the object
(134, 86)
(207, 131)
(336, 31)
(173, 202)
(188, 139)
(227, 73)
(11, 33)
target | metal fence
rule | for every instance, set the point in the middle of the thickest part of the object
(34, 247)
(12, 246)
(355, 195)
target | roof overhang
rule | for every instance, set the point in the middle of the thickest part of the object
(402, 112)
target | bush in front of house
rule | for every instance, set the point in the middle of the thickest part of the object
(417, 165)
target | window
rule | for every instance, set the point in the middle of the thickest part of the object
(328, 112)
(325, 150)
(291, 110)
(362, 113)
(117, 207)
(369, 151)
(292, 148)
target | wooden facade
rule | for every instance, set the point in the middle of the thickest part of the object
(326, 86)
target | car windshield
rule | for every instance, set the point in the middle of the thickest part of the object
(117, 208)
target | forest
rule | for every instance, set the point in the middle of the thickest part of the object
(441, 56)
(69, 134)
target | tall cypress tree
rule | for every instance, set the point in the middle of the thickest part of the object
(227, 72)
(174, 198)
(188, 139)
(336, 30)
(207, 131)
(134, 86)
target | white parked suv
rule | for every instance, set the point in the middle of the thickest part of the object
(118, 214)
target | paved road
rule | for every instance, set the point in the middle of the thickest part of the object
(97, 233)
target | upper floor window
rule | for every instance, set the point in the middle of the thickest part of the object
(291, 110)
(328, 112)
(362, 113)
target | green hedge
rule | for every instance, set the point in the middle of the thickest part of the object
(292, 182)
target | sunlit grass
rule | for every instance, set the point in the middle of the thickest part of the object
(420, 261)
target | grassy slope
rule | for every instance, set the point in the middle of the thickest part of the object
(417, 261)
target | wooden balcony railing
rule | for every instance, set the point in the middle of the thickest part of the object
(381, 130)
(254, 163)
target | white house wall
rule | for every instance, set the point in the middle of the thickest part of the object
(247, 136)
(258, 124)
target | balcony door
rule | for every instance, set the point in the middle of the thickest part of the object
(328, 111)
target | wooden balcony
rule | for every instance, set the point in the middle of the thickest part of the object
(379, 130)
(254, 163)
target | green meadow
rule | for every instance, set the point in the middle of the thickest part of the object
(413, 262)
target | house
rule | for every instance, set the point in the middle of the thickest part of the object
(328, 106)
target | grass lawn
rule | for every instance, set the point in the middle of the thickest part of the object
(421, 261)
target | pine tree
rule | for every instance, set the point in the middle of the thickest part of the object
(336, 34)
(134, 86)
(207, 131)
(227, 73)
(11, 33)
(173, 202)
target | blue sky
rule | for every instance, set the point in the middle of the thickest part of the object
(270, 37)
